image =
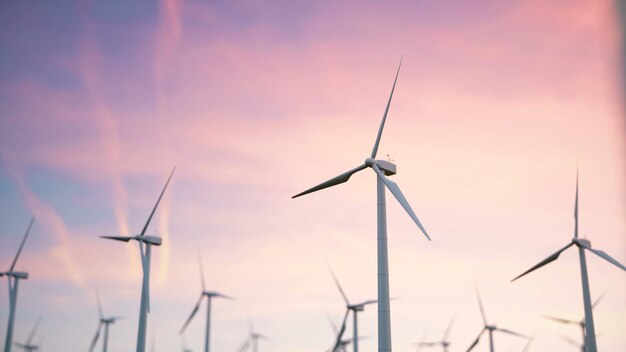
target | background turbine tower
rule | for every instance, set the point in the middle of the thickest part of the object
(580, 323)
(444, 343)
(145, 246)
(102, 322)
(29, 346)
(582, 244)
(490, 328)
(355, 308)
(382, 168)
(209, 295)
(14, 277)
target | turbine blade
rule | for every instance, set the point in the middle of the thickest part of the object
(382, 123)
(427, 344)
(333, 181)
(32, 332)
(17, 255)
(395, 190)
(604, 256)
(223, 296)
(475, 341)
(598, 300)
(95, 338)
(561, 320)
(445, 334)
(570, 341)
(530, 340)
(193, 313)
(245, 344)
(551, 258)
(100, 306)
(345, 298)
(507, 331)
(480, 305)
(576, 207)
(119, 238)
(145, 227)
(332, 324)
(369, 302)
(201, 271)
(341, 331)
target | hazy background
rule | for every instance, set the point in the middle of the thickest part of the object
(254, 102)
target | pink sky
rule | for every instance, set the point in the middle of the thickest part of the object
(496, 104)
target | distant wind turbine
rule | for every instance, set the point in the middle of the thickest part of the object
(382, 169)
(145, 247)
(209, 295)
(580, 323)
(490, 328)
(582, 244)
(14, 278)
(355, 308)
(29, 346)
(444, 343)
(103, 322)
(252, 340)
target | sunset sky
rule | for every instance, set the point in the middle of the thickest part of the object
(497, 102)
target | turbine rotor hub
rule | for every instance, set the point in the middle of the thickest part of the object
(370, 162)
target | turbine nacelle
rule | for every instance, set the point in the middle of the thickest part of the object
(15, 274)
(582, 242)
(387, 167)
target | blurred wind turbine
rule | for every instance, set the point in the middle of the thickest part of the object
(355, 308)
(580, 323)
(382, 168)
(252, 339)
(490, 328)
(444, 343)
(102, 322)
(13, 278)
(29, 346)
(582, 244)
(145, 246)
(209, 295)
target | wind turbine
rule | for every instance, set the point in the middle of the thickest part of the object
(490, 328)
(382, 168)
(252, 339)
(444, 343)
(102, 322)
(209, 295)
(580, 323)
(29, 346)
(582, 244)
(355, 308)
(145, 247)
(14, 278)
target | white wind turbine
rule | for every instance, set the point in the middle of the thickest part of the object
(145, 247)
(209, 295)
(13, 278)
(355, 308)
(444, 343)
(582, 244)
(382, 168)
(29, 346)
(580, 323)
(103, 322)
(490, 328)
(252, 340)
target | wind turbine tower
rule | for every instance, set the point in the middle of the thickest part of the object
(14, 278)
(145, 247)
(382, 168)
